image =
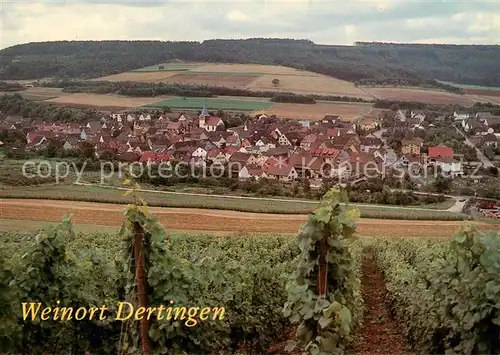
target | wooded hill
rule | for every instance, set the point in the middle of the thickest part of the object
(364, 63)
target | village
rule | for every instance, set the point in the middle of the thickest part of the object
(265, 147)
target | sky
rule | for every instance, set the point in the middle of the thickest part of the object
(324, 22)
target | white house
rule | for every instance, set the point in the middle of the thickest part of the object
(250, 171)
(450, 166)
(199, 153)
(459, 116)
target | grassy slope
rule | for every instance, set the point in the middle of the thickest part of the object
(213, 103)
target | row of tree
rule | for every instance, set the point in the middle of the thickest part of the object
(138, 89)
(16, 105)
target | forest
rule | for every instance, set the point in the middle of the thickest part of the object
(363, 63)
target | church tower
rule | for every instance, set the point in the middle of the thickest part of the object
(204, 114)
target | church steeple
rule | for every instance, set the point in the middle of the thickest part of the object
(204, 111)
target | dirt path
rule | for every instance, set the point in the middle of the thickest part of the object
(379, 333)
(214, 220)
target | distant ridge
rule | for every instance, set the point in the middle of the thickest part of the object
(363, 62)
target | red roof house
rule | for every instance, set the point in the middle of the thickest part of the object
(440, 152)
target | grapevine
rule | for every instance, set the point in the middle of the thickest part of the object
(324, 292)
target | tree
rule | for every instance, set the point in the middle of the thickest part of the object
(442, 184)
(87, 150)
(276, 82)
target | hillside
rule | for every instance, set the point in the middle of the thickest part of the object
(254, 77)
(365, 63)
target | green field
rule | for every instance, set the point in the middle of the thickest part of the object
(167, 67)
(212, 103)
(463, 86)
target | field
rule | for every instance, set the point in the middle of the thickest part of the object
(41, 93)
(102, 101)
(195, 103)
(423, 95)
(244, 76)
(168, 67)
(476, 89)
(308, 84)
(139, 76)
(216, 220)
(215, 202)
(252, 277)
(348, 111)
(232, 80)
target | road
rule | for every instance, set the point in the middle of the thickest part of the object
(486, 162)
(106, 214)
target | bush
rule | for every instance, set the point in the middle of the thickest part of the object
(445, 295)
(293, 98)
(241, 274)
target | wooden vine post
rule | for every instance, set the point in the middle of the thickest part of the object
(138, 251)
(321, 291)
(323, 266)
(142, 285)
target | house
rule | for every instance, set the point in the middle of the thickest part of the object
(369, 124)
(483, 115)
(243, 159)
(250, 171)
(217, 157)
(442, 157)
(420, 115)
(490, 140)
(459, 116)
(388, 156)
(199, 153)
(280, 171)
(208, 122)
(369, 143)
(308, 166)
(411, 146)
(70, 144)
(439, 152)
(307, 141)
(449, 166)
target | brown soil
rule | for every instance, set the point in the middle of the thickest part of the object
(483, 92)
(216, 220)
(379, 333)
(315, 112)
(423, 95)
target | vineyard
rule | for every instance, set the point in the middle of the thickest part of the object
(275, 290)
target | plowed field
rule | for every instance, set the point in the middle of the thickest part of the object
(215, 220)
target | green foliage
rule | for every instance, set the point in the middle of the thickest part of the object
(325, 322)
(46, 271)
(16, 105)
(244, 274)
(367, 63)
(445, 295)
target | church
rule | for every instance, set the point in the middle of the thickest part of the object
(209, 122)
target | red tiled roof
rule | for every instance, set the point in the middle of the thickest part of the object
(212, 121)
(277, 169)
(440, 151)
(327, 152)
